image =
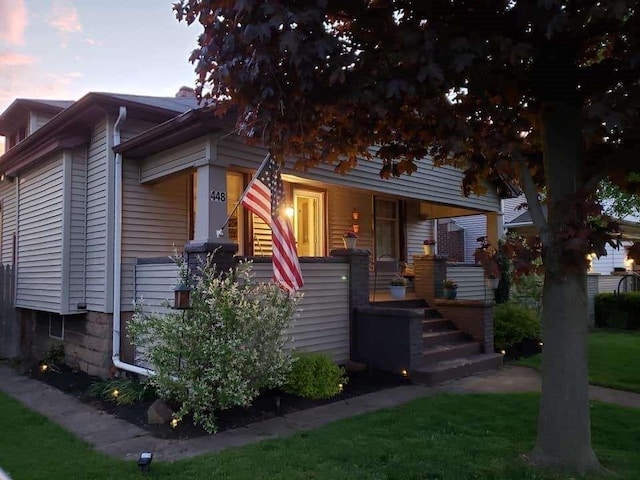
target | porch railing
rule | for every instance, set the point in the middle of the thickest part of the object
(322, 321)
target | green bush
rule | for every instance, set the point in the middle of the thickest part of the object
(225, 349)
(314, 375)
(512, 323)
(618, 311)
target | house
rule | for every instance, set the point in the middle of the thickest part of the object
(606, 274)
(96, 195)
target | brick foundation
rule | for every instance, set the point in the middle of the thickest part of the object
(87, 341)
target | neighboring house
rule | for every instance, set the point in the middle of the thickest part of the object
(97, 194)
(609, 273)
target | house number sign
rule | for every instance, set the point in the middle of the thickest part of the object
(217, 196)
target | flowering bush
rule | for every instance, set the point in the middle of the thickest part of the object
(429, 241)
(350, 235)
(223, 350)
(449, 284)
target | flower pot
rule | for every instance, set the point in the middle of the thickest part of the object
(450, 293)
(428, 249)
(492, 283)
(349, 242)
(397, 291)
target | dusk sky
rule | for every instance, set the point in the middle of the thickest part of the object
(63, 49)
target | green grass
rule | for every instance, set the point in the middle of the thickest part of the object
(614, 359)
(447, 437)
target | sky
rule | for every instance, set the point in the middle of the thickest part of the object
(63, 49)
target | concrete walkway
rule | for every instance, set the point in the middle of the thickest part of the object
(120, 439)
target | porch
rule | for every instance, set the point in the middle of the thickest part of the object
(336, 316)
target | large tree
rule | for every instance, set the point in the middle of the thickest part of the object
(542, 92)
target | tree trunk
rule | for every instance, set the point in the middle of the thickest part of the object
(564, 429)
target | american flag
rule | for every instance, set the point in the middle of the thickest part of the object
(265, 197)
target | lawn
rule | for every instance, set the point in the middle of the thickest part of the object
(614, 359)
(442, 438)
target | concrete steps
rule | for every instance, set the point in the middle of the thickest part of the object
(443, 371)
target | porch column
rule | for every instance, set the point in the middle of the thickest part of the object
(210, 213)
(430, 271)
(495, 227)
(358, 261)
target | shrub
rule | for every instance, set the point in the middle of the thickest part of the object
(222, 351)
(123, 391)
(527, 291)
(512, 323)
(618, 310)
(314, 375)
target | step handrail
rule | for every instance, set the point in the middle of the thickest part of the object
(635, 275)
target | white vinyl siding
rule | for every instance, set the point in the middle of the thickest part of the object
(511, 208)
(39, 269)
(173, 160)
(475, 226)
(433, 184)
(133, 127)
(8, 213)
(615, 258)
(97, 218)
(341, 202)
(609, 283)
(37, 120)
(471, 282)
(155, 222)
(322, 322)
(77, 229)
(417, 230)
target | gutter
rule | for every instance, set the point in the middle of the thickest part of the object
(117, 257)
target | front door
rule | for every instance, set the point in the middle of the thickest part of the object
(308, 222)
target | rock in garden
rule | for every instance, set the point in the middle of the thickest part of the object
(158, 413)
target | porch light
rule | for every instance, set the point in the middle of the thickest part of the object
(182, 297)
(289, 211)
(356, 228)
(144, 462)
(355, 214)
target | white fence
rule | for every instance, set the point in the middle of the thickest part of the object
(322, 323)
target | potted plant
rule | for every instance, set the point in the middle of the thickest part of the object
(349, 239)
(429, 246)
(450, 289)
(398, 287)
(489, 257)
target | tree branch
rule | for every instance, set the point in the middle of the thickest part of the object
(533, 201)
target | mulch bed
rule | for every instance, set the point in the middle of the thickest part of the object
(268, 405)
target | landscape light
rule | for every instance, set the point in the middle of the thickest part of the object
(115, 393)
(44, 367)
(174, 423)
(144, 462)
(404, 373)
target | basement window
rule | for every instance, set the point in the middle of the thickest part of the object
(55, 321)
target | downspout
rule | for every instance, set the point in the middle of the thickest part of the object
(117, 254)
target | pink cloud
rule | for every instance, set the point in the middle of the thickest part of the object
(65, 18)
(11, 59)
(13, 21)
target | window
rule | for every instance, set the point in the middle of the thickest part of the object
(55, 322)
(387, 227)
